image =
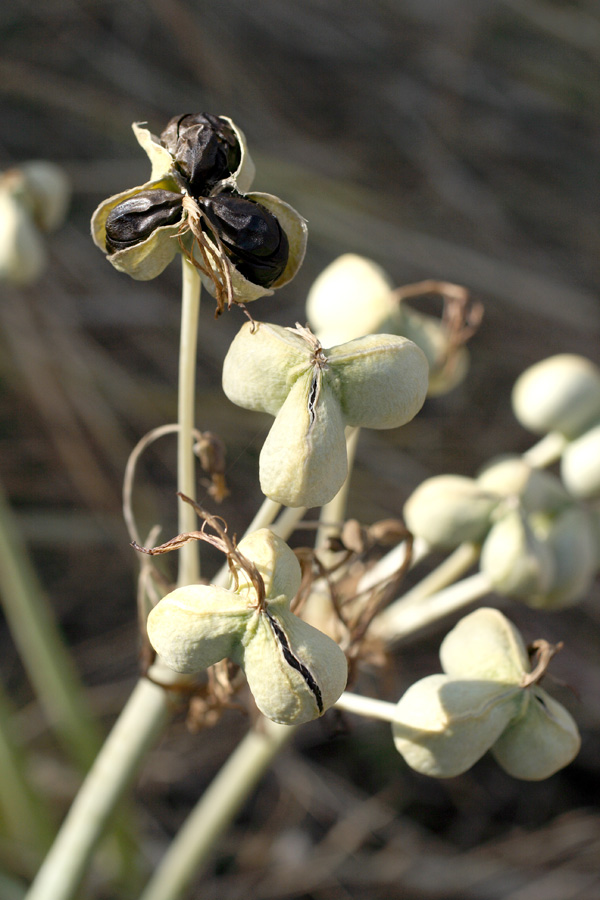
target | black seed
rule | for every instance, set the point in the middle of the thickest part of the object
(132, 221)
(204, 148)
(251, 235)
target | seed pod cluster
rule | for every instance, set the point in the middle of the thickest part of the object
(537, 543)
(294, 671)
(487, 699)
(378, 381)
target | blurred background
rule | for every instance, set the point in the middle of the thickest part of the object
(444, 139)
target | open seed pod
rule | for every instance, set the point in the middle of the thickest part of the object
(379, 381)
(294, 671)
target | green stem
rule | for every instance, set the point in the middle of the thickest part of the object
(367, 706)
(399, 620)
(547, 450)
(333, 513)
(217, 808)
(34, 631)
(147, 712)
(448, 571)
(189, 561)
(135, 732)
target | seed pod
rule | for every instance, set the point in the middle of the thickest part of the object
(22, 250)
(580, 465)
(350, 298)
(448, 365)
(443, 725)
(48, 192)
(485, 645)
(447, 510)
(537, 491)
(570, 538)
(561, 393)
(205, 150)
(378, 381)
(134, 219)
(517, 563)
(251, 235)
(540, 741)
(294, 671)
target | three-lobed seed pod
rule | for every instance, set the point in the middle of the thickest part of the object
(484, 701)
(197, 202)
(378, 381)
(294, 671)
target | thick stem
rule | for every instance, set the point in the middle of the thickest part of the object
(367, 706)
(333, 513)
(548, 450)
(189, 561)
(135, 732)
(217, 808)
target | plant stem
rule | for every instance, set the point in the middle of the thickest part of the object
(41, 647)
(189, 560)
(217, 808)
(333, 513)
(448, 571)
(547, 450)
(147, 711)
(367, 706)
(135, 732)
(400, 620)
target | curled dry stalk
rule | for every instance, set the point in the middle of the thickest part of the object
(540, 653)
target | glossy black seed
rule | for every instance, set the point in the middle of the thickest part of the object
(134, 220)
(251, 235)
(204, 148)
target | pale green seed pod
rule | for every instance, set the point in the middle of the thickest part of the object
(447, 366)
(516, 562)
(443, 725)
(485, 645)
(352, 297)
(22, 250)
(580, 465)
(379, 381)
(561, 394)
(571, 539)
(447, 510)
(539, 742)
(537, 491)
(294, 671)
(48, 192)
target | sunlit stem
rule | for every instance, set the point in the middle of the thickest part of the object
(333, 513)
(189, 560)
(367, 706)
(547, 450)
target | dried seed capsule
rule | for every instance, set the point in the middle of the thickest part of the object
(252, 237)
(205, 150)
(448, 509)
(134, 220)
(561, 393)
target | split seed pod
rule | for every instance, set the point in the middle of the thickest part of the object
(294, 671)
(445, 723)
(379, 381)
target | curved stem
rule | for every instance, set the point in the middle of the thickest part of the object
(217, 808)
(189, 560)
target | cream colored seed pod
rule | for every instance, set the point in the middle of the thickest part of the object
(445, 723)
(353, 296)
(570, 538)
(561, 394)
(447, 510)
(294, 671)
(580, 465)
(22, 251)
(516, 562)
(447, 366)
(537, 491)
(48, 192)
(379, 381)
